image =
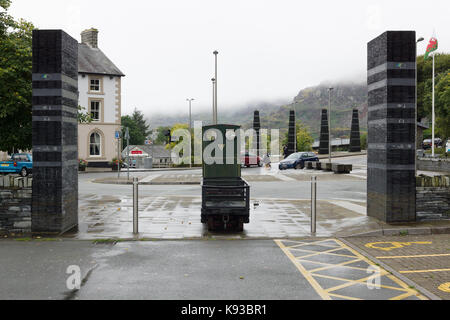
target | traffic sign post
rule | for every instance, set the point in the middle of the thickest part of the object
(118, 154)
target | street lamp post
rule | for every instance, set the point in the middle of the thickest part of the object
(214, 100)
(190, 125)
(329, 123)
(415, 147)
(215, 88)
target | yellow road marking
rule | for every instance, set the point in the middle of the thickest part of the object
(403, 296)
(305, 273)
(344, 297)
(398, 281)
(423, 271)
(328, 252)
(327, 294)
(394, 244)
(343, 264)
(445, 287)
(415, 256)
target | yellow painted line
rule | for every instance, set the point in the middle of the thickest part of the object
(344, 265)
(403, 296)
(395, 279)
(344, 297)
(303, 271)
(394, 244)
(415, 256)
(328, 252)
(424, 271)
(445, 287)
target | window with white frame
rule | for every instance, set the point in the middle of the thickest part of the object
(95, 145)
(95, 110)
(95, 85)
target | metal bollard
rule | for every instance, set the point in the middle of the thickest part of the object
(313, 204)
(135, 206)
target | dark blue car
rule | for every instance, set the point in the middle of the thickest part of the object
(297, 160)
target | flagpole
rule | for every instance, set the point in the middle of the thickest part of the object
(433, 115)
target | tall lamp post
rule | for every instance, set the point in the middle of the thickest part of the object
(329, 123)
(214, 100)
(415, 162)
(215, 88)
(190, 125)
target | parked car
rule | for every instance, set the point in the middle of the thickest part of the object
(21, 163)
(297, 160)
(427, 144)
(250, 159)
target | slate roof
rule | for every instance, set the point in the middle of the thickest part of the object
(94, 61)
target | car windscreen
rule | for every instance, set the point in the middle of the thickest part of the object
(293, 156)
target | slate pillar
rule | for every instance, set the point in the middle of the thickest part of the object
(355, 135)
(55, 130)
(291, 134)
(257, 128)
(391, 183)
(324, 136)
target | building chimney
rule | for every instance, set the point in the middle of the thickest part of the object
(90, 37)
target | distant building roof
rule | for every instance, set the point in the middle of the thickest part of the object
(94, 61)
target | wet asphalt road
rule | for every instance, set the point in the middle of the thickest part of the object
(334, 189)
(179, 270)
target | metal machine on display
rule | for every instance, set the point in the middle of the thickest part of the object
(225, 195)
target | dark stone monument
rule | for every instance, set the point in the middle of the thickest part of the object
(257, 128)
(324, 136)
(355, 135)
(292, 134)
(391, 184)
(55, 130)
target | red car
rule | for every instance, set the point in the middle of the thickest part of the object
(250, 159)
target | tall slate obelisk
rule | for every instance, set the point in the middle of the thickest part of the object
(291, 134)
(257, 128)
(391, 184)
(55, 130)
(355, 135)
(324, 136)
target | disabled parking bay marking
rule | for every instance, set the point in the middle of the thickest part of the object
(337, 271)
(391, 245)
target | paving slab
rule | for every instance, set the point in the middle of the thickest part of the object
(423, 259)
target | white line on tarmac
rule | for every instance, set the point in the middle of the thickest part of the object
(151, 177)
(350, 206)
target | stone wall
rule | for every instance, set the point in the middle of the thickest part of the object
(15, 205)
(433, 198)
(436, 165)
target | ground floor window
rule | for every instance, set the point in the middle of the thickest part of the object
(95, 144)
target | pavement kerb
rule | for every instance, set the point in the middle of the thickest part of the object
(409, 282)
(419, 231)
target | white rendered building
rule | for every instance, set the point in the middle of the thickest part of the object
(99, 86)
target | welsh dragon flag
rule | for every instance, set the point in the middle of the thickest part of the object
(432, 46)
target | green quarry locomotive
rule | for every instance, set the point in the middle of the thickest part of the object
(225, 195)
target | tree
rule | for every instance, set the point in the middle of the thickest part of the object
(15, 79)
(83, 117)
(442, 89)
(136, 135)
(161, 139)
(141, 123)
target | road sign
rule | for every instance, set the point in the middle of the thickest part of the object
(117, 134)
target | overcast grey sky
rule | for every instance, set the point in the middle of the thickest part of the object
(269, 50)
